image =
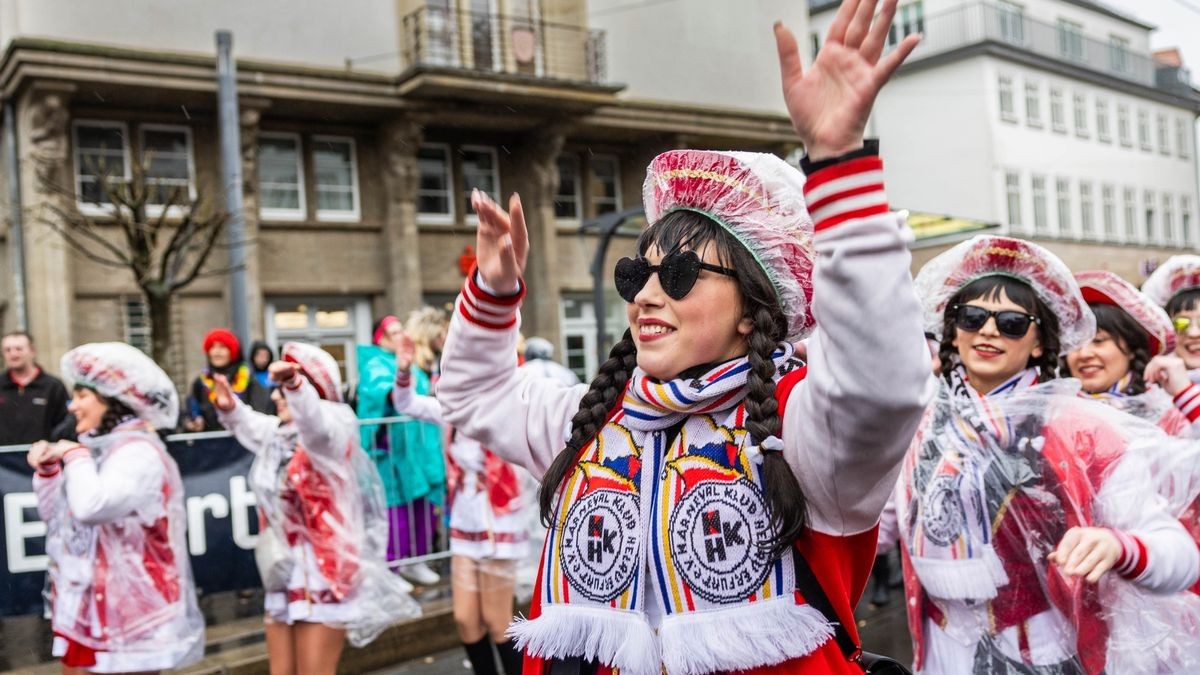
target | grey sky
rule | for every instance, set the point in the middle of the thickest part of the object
(1178, 26)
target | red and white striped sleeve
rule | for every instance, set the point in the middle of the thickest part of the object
(1188, 402)
(484, 307)
(1132, 562)
(844, 191)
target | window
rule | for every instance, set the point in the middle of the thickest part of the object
(1118, 54)
(280, 177)
(1012, 22)
(1070, 40)
(167, 156)
(1040, 223)
(1058, 117)
(1012, 187)
(1033, 104)
(1086, 210)
(567, 200)
(577, 316)
(436, 185)
(1108, 199)
(333, 324)
(1148, 205)
(136, 322)
(1123, 125)
(1102, 120)
(1144, 129)
(1064, 207)
(480, 169)
(909, 19)
(1183, 140)
(1164, 145)
(606, 184)
(1130, 208)
(335, 168)
(1168, 218)
(1007, 109)
(100, 151)
(1080, 110)
(1185, 221)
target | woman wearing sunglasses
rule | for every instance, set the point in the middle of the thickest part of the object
(705, 466)
(1175, 286)
(1018, 497)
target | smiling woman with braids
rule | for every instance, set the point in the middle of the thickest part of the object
(711, 499)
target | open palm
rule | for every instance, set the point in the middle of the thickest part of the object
(501, 242)
(829, 103)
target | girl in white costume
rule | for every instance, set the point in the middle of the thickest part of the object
(1018, 498)
(488, 534)
(706, 467)
(121, 593)
(323, 526)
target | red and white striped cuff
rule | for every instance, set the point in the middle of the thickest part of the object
(1133, 558)
(485, 309)
(846, 191)
(49, 470)
(76, 454)
(1188, 402)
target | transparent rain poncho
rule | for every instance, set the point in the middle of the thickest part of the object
(987, 492)
(316, 487)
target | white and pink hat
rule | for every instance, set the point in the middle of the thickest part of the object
(1178, 274)
(759, 199)
(320, 368)
(118, 371)
(1106, 288)
(983, 256)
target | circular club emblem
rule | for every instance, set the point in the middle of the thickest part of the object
(600, 544)
(719, 533)
(942, 513)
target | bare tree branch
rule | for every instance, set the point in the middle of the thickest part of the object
(77, 224)
(214, 233)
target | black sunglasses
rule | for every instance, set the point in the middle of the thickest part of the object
(1008, 323)
(677, 272)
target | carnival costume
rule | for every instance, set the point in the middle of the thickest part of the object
(656, 557)
(120, 590)
(993, 482)
(323, 527)
(1179, 274)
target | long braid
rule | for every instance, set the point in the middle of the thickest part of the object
(785, 499)
(606, 388)
(1137, 365)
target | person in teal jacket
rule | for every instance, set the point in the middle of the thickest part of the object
(408, 454)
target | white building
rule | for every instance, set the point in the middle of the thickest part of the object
(1049, 117)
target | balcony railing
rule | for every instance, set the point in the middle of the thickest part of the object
(497, 43)
(983, 22)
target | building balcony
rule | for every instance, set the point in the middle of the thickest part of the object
(485, 43)
(984, 23)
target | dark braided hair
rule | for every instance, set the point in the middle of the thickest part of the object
(1131, 339)
(1020, 293)
(693, 231)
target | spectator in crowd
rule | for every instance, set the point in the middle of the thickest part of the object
(32, 402)
(539, 357)
(407, 454)
(261, 357)
(224, 354)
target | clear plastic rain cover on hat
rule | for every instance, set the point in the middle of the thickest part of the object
(982, 256)
(124, 586)
(315, 496)
(987, 492)
(118, 371)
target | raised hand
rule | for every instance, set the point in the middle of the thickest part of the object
(282, 372)
(224, 393)
(405, 353)
(830, 102)
(501, 242)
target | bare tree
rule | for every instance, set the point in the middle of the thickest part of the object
(168, 237)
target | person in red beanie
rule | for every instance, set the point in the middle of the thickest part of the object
(224, 354)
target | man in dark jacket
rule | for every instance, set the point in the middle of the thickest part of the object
(32, 403)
